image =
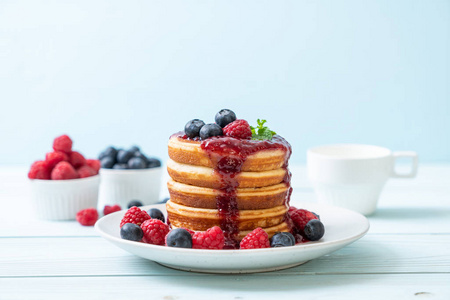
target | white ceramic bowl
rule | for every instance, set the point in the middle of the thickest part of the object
(62, 199)
(122, 186)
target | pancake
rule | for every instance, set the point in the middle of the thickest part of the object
(234, 183)
(209, 178)
(201, 219)
(246, 198)
(190, 152)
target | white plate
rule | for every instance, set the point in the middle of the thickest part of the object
(342, 227)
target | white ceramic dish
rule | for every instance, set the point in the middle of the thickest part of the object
(122, 186)
(342, 227)
(59, 200)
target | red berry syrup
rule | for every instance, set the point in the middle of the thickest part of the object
(228, 155)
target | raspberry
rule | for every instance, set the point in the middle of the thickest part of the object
(87, 217)
(212, 238)
(155, 231)
(39, 170)
(134, 215)
(238, 129)
(258, 238)
(63, 170)
(53, 158)
(110, 209)
(62, 143)
(94, 164)
(86, 171)
(300, 217)
(76, 159)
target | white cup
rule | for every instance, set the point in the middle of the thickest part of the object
(352, 175)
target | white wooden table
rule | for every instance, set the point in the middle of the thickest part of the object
(405, 255)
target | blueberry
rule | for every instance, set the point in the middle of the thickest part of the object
(225, 117)
(155, 213)
(120, 166)
(141, 156)
(318, 217)
(107, 162)
(314, 230)
(192, 128)
(134, 203)
(134, 149)
(179, 238)
(164, 200)
(136, 163)
(124, 156)
(210, 130)
(282, 239)
(153, 163)
(131, 232)
(110, 151)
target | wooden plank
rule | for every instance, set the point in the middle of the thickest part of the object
(262, 286)
(34, 257)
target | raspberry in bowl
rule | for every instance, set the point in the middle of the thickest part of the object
(128, 174)
(64, 183)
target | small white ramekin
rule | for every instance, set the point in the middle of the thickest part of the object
(122, 186)
(62, 199)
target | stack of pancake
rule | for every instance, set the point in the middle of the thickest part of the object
(235, 188)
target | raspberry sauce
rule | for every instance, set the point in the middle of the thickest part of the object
(228, 155)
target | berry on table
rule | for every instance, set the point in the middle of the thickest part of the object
(107, 162)
(131, 232)
(213, 238)
(282, 239)
(314, 230)
(179, 238)
(192, 128)
(86, 171)
(258, 238)
(63, 171)
(155, 231)
(210, 130)
(110, 209)
(53, 158)
(225, 117)
(39, 170)
(87, 217)
(134, 203)
(238, 129)
(155, 213)
(123, 156)
(300, 217)
(136, 163)
(134, 215)
(76, 159)
(62, 143)
(94, 164)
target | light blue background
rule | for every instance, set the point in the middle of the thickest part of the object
(133, 72)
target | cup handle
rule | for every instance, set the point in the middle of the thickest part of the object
(398, 154)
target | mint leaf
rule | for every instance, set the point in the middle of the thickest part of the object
(261, 132)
